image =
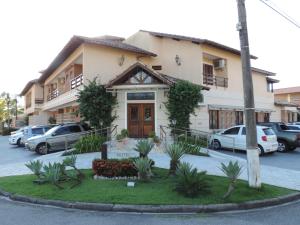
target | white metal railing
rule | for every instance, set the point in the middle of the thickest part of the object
(77, 81)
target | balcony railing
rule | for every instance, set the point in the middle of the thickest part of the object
(77, 81)
(53, 95)
(210, 79)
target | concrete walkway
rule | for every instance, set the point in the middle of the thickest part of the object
(270, 175)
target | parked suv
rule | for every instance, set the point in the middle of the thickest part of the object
(32, 131)
(287, 139)
(57, 138)
(235, 138)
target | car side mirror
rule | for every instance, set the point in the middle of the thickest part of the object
(53, 134)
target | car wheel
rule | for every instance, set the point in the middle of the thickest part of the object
(19, 142)
(42, 149)
(261, 151)
(282, 146)
(216, 145)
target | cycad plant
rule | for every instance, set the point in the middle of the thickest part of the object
(52, 174)
(175, 152)
(144, 147)
(190, 182)
(143, 166)
(35, 167)
(232, 171)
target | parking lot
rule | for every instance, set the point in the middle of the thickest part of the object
(286, 160)
(13, 154)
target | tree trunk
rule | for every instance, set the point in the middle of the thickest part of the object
(253, 168)
(229, 191)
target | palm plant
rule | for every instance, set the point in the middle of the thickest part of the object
(35, 167)
(53, 173)
(175, 152)
(144, 147)
(143, 166)
(232, 171)
(189, 182)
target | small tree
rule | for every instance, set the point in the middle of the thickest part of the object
(183, 98)
(96, 105)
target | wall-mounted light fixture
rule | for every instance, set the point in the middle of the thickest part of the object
(121, 60)
(178, 60)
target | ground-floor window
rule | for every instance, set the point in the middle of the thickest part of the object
(220, 119)
(262, 117)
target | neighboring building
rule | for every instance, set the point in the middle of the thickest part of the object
(140, 69)
(288, 99)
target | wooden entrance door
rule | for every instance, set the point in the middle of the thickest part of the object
(140, 119)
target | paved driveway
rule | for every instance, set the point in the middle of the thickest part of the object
(287, 160)
(13, 154)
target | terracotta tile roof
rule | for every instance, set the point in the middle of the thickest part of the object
(287, 90)
(197, 41)
(76, 41)
(28, 86)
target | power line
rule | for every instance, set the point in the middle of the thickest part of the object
(284, 15)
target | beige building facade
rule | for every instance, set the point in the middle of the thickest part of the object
(139, 71)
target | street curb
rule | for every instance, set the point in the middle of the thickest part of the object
(155, 208)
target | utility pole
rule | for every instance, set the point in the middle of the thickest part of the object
(251, 136)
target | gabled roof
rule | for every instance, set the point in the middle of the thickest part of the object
(287, 90)
(76, 41)
(28, 86)
(265, 72)
(197, 41)
(163, 78)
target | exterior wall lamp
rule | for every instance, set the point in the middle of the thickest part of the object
(178, 60)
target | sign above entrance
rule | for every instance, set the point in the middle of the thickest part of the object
(140, 96)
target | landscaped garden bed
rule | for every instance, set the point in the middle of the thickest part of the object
(159, 190)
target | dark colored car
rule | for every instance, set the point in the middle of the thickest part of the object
(287, 139)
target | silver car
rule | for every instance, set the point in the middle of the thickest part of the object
(60, 137)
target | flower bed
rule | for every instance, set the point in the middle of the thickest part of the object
(114, 168)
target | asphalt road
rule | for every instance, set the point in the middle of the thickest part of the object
(286, 160)
(13, 154)
(12, 213)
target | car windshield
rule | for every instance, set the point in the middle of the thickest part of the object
(268, 131)
(53, 129)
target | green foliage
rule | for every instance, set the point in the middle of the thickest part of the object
(232, 171)
(189, 182)
(183, 98)
(52, 120)
(151, 134)
(144, 147)
(35, 167)
(55, 173)
(124, 133)
(119, 137)
(192, 149)
(175, 152)
(143, 166)
(96, 105)
(89, 143)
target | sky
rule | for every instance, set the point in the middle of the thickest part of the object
(32, 32)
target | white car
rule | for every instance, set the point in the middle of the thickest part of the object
(235, 138)
(16, 137)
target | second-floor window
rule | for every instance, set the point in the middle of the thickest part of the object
(208, 77)
(269, 86)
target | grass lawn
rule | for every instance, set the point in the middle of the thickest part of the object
(158, 191)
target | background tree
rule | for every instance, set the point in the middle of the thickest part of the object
(183, 99)
(96, 105)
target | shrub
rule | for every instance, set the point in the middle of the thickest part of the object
(192, 149)
(56, 173)
(189, 182)
(143, 166)
(175, 152)
(232, 171)
(90, 143)
(114, 168)
(35, 167)
(52, 120)
(151, 134)
(144, 147)
(119, 137)
(124, 133)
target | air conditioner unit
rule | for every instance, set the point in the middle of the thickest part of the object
(219, 64)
